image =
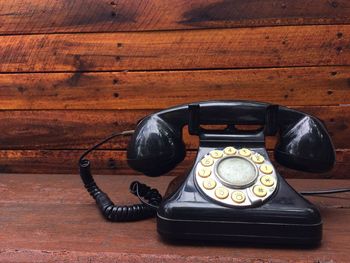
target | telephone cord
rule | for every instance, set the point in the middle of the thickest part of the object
(150, 198)
(325, 192)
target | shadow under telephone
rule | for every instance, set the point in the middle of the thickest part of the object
(233, 192)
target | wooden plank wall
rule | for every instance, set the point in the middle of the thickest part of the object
(73, 71)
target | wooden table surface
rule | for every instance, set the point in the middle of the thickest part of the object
(46, 218)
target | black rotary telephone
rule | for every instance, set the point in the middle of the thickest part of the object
(233, 192)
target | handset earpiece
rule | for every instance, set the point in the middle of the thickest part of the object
(304, 143)
(156, 147)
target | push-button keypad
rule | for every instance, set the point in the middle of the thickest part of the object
(259, 190)
(230, 150)
(266, 169)
(209, 184)
(216, 154)
(257, 158)
(236, 176)
(245, 152)
(204, 172)
(207, 161)
(221, 192)
(238, 197)
(267, 180)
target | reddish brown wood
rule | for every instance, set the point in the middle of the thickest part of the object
(75, 129)
(149, 90)
(189, 49)
(18, 191)
(48, 16)
(114, 162)
(66, 226)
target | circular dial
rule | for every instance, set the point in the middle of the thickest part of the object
(236, 177)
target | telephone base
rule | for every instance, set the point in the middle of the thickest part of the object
(285, 218)
(240, 232)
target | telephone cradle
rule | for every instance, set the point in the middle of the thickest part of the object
(233, 192)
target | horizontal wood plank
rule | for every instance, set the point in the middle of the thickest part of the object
(114, 162)
(48, 16)
(66, 226)
(190, 49)
(16, 191)
(149, 90)
(79, 129)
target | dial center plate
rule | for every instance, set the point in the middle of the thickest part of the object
(236, 171)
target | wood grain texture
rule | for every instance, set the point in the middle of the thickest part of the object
(114, 162)
(189, 49)
(48, 16)
(72, 72)
(66, 226)
(159, 89)
(79, 129)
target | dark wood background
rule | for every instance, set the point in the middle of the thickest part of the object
(72, 72)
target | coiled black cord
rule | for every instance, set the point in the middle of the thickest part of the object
(109, 210)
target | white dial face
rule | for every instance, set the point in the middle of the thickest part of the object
(236, 171)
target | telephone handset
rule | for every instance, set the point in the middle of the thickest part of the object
(233, 192)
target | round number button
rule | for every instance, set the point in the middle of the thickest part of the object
(244, 152)
(221, 192)
(259, 190)
(267, 180)
(216, 154)
(207, 161)
(257, 158)
(230, 150)
(266, 168)
(209, 184)
(238, 197)
(204, 172)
